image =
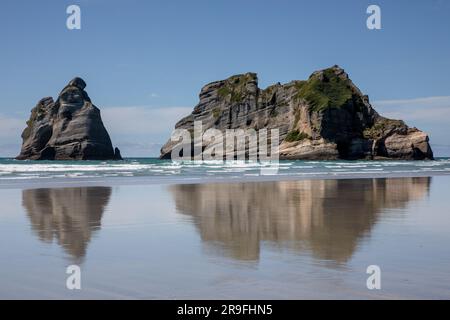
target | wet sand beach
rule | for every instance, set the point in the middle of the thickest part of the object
(249, 240)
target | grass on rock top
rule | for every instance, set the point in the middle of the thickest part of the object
(321, 91)
(235, 87)
(331, 91)
(296, 135)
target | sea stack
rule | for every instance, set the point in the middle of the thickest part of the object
(69, 128)
(323, 118)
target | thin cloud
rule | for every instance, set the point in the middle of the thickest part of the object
(10, 130)
(141, 131)
(430, 101)
(142, 120)
(11, 126)
(430, 109)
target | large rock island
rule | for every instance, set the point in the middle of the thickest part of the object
(69, 128)
(323, 118)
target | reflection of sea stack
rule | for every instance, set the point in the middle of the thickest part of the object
(69, 128)
(328, 217)
(70, 215)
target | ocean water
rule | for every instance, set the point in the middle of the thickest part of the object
(14, 170)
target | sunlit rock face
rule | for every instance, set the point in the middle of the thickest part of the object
(69, 128)
(68, 216)
(323, 117)
(325, 217)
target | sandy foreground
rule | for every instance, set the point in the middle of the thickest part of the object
(260, 239)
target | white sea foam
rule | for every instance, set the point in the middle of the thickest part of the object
(10, 169)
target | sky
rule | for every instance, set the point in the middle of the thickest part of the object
(145, 61)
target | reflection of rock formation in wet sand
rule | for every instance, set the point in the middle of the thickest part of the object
(328, 217)
(70, 215)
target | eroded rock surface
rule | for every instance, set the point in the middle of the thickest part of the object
(324, 117)
(69, 128)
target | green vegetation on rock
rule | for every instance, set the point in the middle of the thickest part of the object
(36, 113)
(235, 96)
(235, 87)
(216, 113)
(224, 91)
(324, 90)
(296, 135)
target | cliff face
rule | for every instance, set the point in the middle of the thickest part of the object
(69, 128)
(324, 117)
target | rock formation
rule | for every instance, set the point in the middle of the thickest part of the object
(324, 117)
(69, 128)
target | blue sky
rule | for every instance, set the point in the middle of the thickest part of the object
(145, 61)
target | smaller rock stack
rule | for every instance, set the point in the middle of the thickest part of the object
(69, 128)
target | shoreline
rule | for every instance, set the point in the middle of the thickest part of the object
(42, 183)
